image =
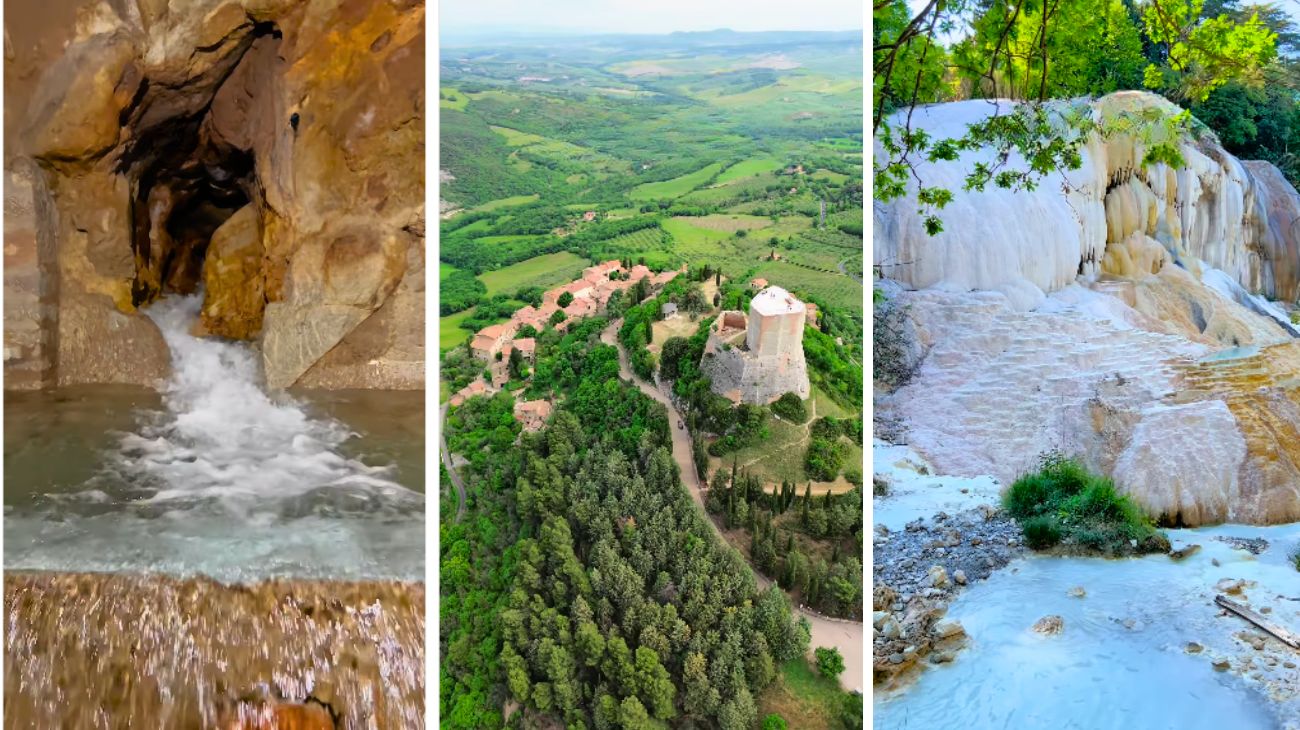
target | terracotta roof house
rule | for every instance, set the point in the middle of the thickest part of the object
(527, 347)
(476, 387)
(589, 215)
(532, 413)
(487, 343)
(639, 272)
(758, 283)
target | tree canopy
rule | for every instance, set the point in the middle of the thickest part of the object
(1233, 63)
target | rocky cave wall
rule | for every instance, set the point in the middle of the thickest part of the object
(268, 151)
(1111, 217)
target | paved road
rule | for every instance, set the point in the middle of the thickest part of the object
(447, 462)
(841, 634)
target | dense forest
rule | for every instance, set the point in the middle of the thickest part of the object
(582, 582)
(1233, 65)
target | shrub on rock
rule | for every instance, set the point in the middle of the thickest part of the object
(1064, 504)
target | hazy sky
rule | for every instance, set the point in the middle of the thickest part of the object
(649, 16)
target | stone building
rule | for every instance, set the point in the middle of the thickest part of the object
(757, 360)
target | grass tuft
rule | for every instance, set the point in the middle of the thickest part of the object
(1064, 504)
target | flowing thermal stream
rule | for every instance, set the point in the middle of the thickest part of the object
(226, 480)
(1122, 660)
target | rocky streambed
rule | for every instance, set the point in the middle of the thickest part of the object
(972, 630)
(98, 650)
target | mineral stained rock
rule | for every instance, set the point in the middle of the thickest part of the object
(93, 650)
(270, 151)
(1132, 315)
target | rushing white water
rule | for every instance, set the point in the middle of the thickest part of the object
(222, 436)
(225, 479)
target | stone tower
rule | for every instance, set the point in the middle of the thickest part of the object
(760, 359)
(775, 323)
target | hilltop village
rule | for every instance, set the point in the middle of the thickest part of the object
(588, 295)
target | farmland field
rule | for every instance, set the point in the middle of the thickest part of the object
(545, 271)
(450, 333)
(748, 168)
(676, 187)
(509, 202)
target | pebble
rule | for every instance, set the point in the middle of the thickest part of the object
(948, 628)
(1194, 648)
(1230, 586)
(1077, 592)
(1222, 665)
(1252, 545)
(959, 576)
(1049, 625)
(938, 576)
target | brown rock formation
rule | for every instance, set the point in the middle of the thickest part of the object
(1280, 213)
(269, 150)
(284, 653)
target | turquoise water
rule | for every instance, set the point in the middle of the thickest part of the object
(1120, 661)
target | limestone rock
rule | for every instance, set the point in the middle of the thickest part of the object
(1077, 592)
(167, 133)
(1173, 471)
(1214, 209)
(77, 111)
(1049, 625)
(1232, 587)
(99, 344)
(294, 337)
(232, 277)
(948, 629)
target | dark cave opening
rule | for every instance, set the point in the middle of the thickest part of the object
(188, 177)
(180, 201)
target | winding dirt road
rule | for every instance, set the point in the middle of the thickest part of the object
(843, 635)
(448, 463)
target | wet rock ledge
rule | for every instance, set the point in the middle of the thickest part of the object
(98, 650)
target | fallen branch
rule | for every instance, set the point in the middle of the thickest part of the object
(1277, 632)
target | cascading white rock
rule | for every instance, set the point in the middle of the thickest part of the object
(1029, 243)
(1118, 313)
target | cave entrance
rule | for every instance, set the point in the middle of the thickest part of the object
(180, 199)
(191, 166)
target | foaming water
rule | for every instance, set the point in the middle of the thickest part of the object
(220, 477)
(1121, 660)
(222, 436)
